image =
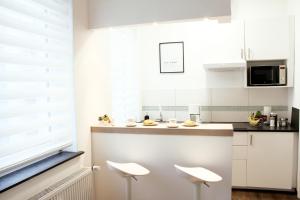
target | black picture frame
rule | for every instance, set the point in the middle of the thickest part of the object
(161, 61)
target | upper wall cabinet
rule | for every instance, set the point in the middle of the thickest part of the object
(229, 45)
(225, 42)
(268, 39)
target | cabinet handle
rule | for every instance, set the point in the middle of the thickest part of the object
(251, 140)
(242, 53)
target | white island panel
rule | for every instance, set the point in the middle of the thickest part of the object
(159, 153)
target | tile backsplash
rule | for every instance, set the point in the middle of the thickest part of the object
(217, 104)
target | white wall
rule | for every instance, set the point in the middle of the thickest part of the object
(294, 8)
(107, 13)
(92, 77)
(204, 41)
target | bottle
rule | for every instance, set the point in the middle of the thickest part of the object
(146, 117)
(272, 121)
(267, 111)
(275, 116)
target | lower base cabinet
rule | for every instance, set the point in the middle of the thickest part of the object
(270, 160)
(239, 171)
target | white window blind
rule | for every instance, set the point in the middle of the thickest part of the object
(36, 79)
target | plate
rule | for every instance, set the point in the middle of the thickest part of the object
(154, 124)
(189, 125)
(131, 125)
(172, 125)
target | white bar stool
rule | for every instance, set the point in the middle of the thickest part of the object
(128, 170)
(198, 176)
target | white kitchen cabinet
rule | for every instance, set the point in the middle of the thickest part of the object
(229, 45)
(255, 39)
(271, 39)
(264, 159)
(225, 42)
(268, 39)
(239, 152)
(239, 156)
(270, 160)
(239, 172)
(240, 138)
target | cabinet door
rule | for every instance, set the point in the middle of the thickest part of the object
(270, 160)
(267, 39)
(239, 168)
(240, 139)
(225, 42)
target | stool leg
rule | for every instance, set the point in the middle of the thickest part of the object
(197, 195)
(128, 188)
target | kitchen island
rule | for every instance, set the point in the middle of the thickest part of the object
(158, 148)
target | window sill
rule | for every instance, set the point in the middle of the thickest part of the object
(24, 174)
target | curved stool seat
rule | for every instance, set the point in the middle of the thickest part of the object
(129, 171)
(198, 176)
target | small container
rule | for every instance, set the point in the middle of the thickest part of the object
(267, 111)
(275, 118)
(146, 117)
(272, 121)
(283, 122)
(172, 121)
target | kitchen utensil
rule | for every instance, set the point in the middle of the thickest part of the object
(194, 111)
(267, 111)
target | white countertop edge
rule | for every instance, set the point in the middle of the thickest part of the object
(212, 129)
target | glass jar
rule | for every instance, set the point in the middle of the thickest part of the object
(272, 121)
(283, 122)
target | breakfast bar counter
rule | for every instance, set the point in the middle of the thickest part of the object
(162, 129)
(159, 148)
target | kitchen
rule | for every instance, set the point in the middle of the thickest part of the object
(219, 92)
(217, 56)
(160, 91)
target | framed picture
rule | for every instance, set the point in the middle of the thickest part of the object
(171, 57)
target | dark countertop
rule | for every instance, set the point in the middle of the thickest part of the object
(244, 126)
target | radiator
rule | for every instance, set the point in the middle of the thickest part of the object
(78, 186)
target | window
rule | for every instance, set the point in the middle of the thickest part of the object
(36, 79)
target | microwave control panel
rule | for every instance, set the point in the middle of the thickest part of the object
(282, 74)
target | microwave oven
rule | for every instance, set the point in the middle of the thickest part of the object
(267, 75)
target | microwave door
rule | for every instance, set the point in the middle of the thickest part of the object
(263, 75)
